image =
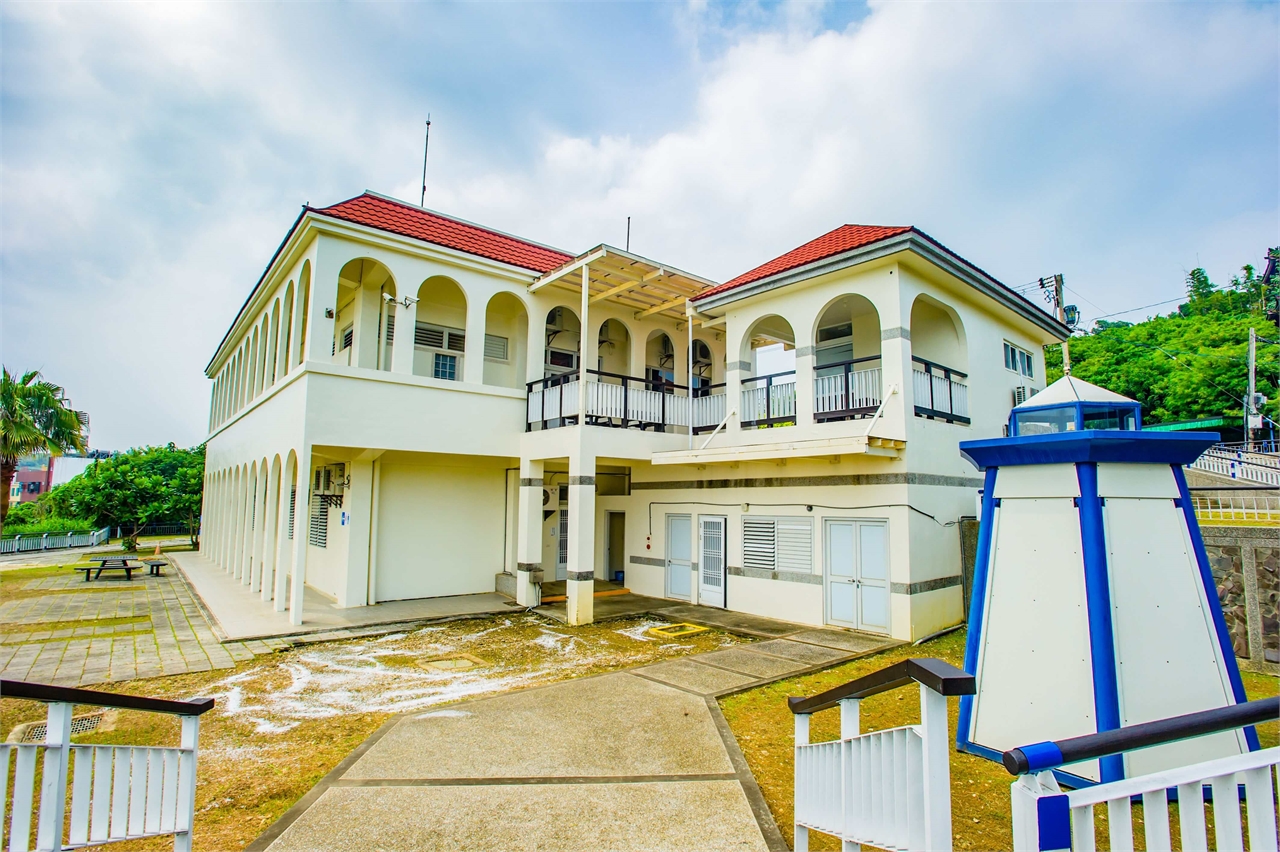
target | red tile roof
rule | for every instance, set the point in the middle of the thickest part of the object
(842, 239)
(385, 214)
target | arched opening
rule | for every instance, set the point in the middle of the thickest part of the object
(939, 359)
(613, 345)
(769, 391)
(564, 338)
(358, 316)
(660, 362)
(254, 373)
(300, 322)
(263, 359)
(847, 375)
(286, 330)
(704, 368)
(273, 346)
(506, 343)
(439, 339)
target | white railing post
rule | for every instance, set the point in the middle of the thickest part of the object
(1041, 814)
(802, 739)
(937, 772)
(186, 784)
(44, 542)
(53, 786)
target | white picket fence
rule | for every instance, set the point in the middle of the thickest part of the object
(1045, 818)
(53, 541)
(117, 792)
(889, 789)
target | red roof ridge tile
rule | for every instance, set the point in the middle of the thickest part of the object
(408, 220)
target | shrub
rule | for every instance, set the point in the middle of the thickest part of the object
(52, 524)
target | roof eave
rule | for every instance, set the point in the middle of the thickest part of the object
(910, 241)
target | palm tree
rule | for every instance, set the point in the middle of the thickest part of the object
(33, 418)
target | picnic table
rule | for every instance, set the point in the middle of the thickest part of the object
(110, 563)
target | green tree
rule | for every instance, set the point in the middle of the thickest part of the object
(143, 486)
(34, 418)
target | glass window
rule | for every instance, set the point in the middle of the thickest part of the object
(1045, 421)
(446, 367)
(1109, 418)
(1019, 361)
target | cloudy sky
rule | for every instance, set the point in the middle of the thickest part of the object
(152, 156)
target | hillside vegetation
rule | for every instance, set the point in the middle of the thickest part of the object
(1191, 363)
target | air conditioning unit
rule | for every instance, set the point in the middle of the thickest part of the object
(1020, 394)
(555, 320)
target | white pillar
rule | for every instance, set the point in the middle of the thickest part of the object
(585, 336)
(284, 562)
(804, 384)
(298, 584)
(357, 502)
(402, 343)
(529, 534)
(237, 541)
(580, 588)
(473, 356)
(270, 529)
(253, 571)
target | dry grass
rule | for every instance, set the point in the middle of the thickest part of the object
(979, 788)
(285, 720)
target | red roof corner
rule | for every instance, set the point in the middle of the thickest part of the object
(842, 239)
(375, 211)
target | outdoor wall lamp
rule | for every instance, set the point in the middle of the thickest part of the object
(328, 313)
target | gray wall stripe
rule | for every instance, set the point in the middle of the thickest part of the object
(812, 481)
(895, 333)
(740, 366)
(804, 351)
(582, 480)
(924, 586)
(647, 560)
(526, 482)
(581, 576)
(784, 576)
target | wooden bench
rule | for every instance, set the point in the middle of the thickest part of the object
(110, 563)
(154, 566)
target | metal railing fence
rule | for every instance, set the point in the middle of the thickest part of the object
(54, 541)
(939, 391)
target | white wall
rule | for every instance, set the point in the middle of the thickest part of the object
(440, 526)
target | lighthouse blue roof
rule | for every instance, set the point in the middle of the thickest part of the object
(1089, 445)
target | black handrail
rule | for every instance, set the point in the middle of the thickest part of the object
(67, 695)
(770, 376)
(938, 675)
(861, 360)
(935, 365)
(1049, 755)
(706, 390)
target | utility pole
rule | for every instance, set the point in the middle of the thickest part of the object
(1058, 301)
(1251, 407)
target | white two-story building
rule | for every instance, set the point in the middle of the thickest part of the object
(399, 412)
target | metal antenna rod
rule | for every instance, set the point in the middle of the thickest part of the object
(628, 233)
(422, 199)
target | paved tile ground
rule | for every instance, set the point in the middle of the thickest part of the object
(633, 760)
(169, 635)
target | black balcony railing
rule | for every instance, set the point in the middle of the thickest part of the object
(940, 391)
(769, 400)
(846, 389)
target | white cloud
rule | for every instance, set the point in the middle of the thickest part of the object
(154, 154)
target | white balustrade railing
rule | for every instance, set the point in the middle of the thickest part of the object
(1236, 507)
(1045, 818)
(549, 405)
(53, 541)
(116, 792)
(857, 389)
(709, 411)
(889, 789)
(1263, 468)
(768, 400)
(940, 393)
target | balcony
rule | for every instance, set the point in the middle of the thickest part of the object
(622, 402)
(847, 389)
(940, 392)
(769, 400)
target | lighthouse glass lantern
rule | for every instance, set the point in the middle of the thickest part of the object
(1093, 604)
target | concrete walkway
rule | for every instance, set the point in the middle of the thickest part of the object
(634, 760)
(239, 614)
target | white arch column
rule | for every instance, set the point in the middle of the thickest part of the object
(297, 585)
(529, 534)
(253, 575)
(473, 354)
(284, 559)
(236, 551)
(581, 569)
(270, 525)
(244, 554)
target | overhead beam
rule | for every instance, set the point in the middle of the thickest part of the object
(555, 275)
(665, 306)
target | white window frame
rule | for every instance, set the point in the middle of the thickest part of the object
(506, 348)
(1024, 361)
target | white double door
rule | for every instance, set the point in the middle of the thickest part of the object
(711, 559)
(857, 574)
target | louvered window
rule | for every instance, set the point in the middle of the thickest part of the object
(318, 533)
(391, 328)
(778, 544)
(495, 347)
(348, 336)
(440, 337)
(293, 503)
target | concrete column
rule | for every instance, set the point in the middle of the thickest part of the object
(734, 368)
(284, 562)
(329, 258)
(535, 362)
(587, 347)
(367, 308)
(529, 534)
(298, 583)
(804, 385)
(473, 356)
(237, 538)
(224, 513)
(229, 519)
(253, 568)
(357, 500)
(402, 343)
(582, 535)
(270, 528)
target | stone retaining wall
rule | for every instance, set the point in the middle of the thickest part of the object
(1246, 568)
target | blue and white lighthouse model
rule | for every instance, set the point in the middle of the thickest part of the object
(1093, 604)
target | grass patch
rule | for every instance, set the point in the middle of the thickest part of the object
(764, 729)
(40, 626)
(283, 721)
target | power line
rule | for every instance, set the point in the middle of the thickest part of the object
(1143, 308)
